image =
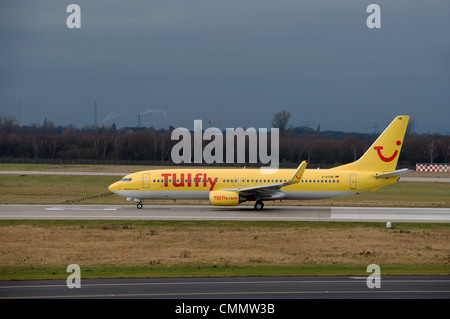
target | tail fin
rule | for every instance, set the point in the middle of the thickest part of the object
(383, 155)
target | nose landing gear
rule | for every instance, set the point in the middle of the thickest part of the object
(136, 200)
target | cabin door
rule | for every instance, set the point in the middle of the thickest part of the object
(146, 180)
(352, 181)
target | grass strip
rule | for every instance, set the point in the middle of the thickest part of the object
(44, 273)
(130, 224)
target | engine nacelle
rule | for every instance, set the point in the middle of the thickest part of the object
(223, 198)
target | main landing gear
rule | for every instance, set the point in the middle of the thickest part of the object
(139, 205)
(259, 205)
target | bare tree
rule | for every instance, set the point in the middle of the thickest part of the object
(116, 147)
(38, 144)
(280, 120)
(446, 149)
(156, 138)
(54, 147)
(7, 123)
(430, 152)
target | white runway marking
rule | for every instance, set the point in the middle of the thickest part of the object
(77, 209)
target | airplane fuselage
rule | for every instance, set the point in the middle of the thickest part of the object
(198, 183)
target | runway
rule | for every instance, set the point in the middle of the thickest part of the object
(342, 287)
(240, 213)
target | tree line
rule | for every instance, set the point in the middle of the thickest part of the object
(107, 143)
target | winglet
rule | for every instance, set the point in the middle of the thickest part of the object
(298, 174)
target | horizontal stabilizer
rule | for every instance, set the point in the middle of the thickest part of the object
(394, 173)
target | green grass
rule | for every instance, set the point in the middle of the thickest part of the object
(411, 192)
(44, 273)
(55, 189)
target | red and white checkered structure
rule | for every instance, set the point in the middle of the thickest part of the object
(432, 167)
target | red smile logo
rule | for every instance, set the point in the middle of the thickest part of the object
(382, 157)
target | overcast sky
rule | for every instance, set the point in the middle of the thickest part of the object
(232, 62)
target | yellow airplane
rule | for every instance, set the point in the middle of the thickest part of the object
(230, 187)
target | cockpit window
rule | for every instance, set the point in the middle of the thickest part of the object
(126, 179)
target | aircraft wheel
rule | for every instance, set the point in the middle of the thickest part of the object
(259, 205)
(139, 205)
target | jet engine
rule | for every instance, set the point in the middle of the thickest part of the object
(224, 198)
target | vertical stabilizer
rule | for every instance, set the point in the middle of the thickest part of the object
(383, 155)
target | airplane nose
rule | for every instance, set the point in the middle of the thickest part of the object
(114, 187)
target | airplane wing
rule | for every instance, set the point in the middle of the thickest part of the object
(273, 191)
